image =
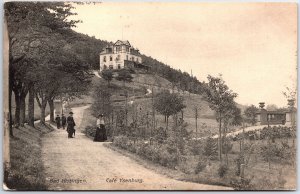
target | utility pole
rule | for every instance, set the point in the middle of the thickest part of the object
(153, 110)
(196, 118)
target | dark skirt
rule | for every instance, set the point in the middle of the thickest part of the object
(100, 134)
(70, 131)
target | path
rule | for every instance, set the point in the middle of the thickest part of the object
(93, 165)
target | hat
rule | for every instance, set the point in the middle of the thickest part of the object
(71, 113)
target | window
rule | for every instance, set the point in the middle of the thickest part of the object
(110, 58)
(118, 58)
(118, 49)
(104, 59)
(111, 66)
(132, 58)
(119, 66)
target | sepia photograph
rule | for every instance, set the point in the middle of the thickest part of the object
(149, 96)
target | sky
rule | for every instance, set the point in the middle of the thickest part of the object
(253, 45)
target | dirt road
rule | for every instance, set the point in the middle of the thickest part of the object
(81, 164)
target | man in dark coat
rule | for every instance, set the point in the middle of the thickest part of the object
(71, 125)
(63, 121)
(57, 120)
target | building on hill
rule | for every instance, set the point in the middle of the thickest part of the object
(120, 55)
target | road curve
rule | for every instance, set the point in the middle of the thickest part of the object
(81, 164)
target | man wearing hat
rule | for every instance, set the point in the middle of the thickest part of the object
(57, 120)
(63, 121)
(71, 125)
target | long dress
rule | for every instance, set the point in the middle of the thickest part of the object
(100, 135)
(70, 127)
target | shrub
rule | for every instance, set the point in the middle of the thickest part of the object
(222, 170)
(200, 165)
(244, 184)
(196, 147)
(227, 145)
(121, 141)
(210, 148)
(90, 131)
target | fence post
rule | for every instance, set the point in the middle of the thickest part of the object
(242, 171)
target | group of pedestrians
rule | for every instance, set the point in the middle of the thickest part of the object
(63, 121)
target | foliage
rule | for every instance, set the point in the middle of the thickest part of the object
(124, 75)
(250, 113)
(182, 80)
(227, 145)
(196, 146)
(107, 75)
(221, 100)
(274, 152)
(168, 104)
(202, 163)
(210, 148)
(222, 170)
(102, 102)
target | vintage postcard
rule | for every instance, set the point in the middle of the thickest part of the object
(149, 96)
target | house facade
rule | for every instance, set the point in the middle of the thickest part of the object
(119, 55)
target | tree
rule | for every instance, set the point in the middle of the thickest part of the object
(107, 75)
(250, 113)
(102, 102)
(220, 99)
(28, 24)
(168, 104)
(124, 75)
(272, 107)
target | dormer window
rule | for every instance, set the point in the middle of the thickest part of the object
(110, 58)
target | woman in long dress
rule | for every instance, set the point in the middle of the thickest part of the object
(101, 131)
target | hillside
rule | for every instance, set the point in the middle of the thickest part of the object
(139, 96)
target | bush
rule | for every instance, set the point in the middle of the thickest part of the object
(122, 142)
(200, 166)
(196, 147)
(210, 148)
(222, 170)
(244, 184)
(90, 131)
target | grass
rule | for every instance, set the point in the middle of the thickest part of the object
(27, 171)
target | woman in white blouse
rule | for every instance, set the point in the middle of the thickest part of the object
(100, 132)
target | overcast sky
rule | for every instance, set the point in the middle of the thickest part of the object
(253, 45)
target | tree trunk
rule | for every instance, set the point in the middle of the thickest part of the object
(17, 110)
(31, 107)
(43, 111)
(22, 109)
(51, 105)
(220, 138)
(10, 109)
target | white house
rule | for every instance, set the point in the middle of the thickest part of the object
(119, 55)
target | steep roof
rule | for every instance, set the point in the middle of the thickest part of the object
(124, 42)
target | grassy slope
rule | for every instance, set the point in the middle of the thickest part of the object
(25, 155)
(206, 115)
